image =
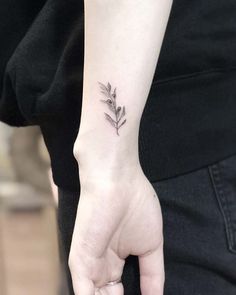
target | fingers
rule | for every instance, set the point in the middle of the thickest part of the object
(83, 287)
(86, 287)
(111, 290)
(152, 272)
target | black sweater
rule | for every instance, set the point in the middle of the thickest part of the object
(190, 117)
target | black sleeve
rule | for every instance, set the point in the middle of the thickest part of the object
(16, 18)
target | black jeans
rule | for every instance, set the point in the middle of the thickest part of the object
(199, 214)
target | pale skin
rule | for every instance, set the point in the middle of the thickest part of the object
(118, 213)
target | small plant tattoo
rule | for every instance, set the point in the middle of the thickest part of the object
(118, 111)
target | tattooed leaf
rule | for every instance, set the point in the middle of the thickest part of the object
(107, 101)
(118, 111)
(122, 123)
(102, 86)
(123, 111)
(122, 114)
(114, 93)
(106, 93)
(109, 118)
(104, 89)
(108, 87)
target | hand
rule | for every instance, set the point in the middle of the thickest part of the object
(115, 221)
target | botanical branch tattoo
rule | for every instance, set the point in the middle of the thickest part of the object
(118, 111)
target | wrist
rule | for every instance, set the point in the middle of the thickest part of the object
(109, 184)
(106, 167)
(108, 155)
(108, 178)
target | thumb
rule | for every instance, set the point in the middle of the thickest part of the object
(83, 286)
(152, 273)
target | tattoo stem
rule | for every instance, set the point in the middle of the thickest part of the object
(117, 122)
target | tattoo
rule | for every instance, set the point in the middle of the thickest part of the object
(118, 111)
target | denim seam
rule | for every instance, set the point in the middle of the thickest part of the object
(223, 203)
(193, 75)
(227, 206)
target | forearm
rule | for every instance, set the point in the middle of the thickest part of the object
(122, 44)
